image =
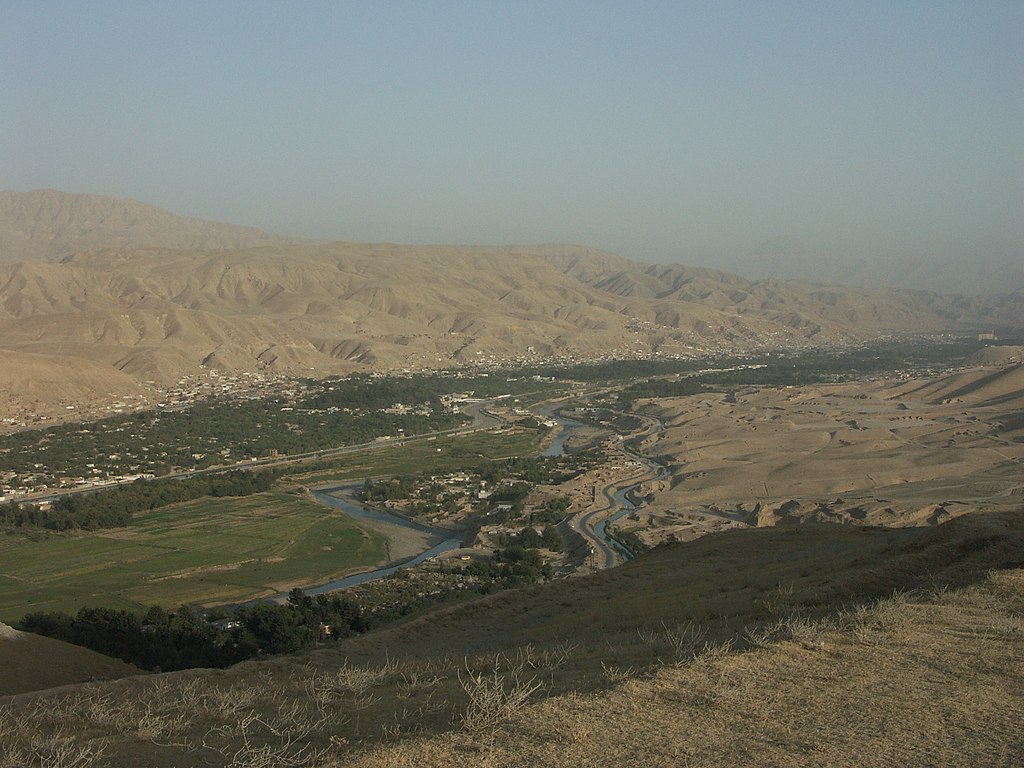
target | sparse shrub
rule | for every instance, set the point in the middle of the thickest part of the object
(869, 624)
(616, 675)
(683, 642)
(494, 697)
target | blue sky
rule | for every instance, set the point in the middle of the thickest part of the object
(664, 131)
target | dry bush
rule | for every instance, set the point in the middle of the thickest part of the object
(616, 675)
(253, 742)
(225, 703)
(323, 687)
(413, 683)
(34, 736)
(779, 601)
(871, 624)
(494, 697)
(682, 642)
(58, 750)
(149, 718)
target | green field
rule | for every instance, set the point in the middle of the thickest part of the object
(203, 551)
(222, 550)
(446, 454)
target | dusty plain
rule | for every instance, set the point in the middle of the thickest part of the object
(892, 451)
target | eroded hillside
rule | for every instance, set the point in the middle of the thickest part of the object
(317, 310)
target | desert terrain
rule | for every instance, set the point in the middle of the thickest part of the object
(132, 299)
(890, 451)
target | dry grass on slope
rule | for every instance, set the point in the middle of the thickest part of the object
(911, 681)
(755, 645)
(30, 663)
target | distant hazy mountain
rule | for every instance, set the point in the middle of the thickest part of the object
(155, 313)
(788, 258)
(47, 225)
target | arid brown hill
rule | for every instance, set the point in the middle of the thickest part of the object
(47, 225)
(119, 285)
(157, 314)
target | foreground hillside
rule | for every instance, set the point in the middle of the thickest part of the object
(30, 663)
(910, 681)
(815, 645)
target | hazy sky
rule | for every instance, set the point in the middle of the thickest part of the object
(664, 131)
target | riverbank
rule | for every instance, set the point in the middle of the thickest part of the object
(404, 539)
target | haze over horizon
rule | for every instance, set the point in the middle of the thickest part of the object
(801, 136)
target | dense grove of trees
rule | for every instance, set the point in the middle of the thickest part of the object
(113, 507)
(535, 470)
(529, 538)
(628, 539)
(224, 430)
(167, 640)
(527, 472)
(891, 355)
(551, 511)
(372, 392)
(389, 490)
(206, 435)
(805, 368)
(512, 566)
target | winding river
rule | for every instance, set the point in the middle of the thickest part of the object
(445, 540)
(360, 513)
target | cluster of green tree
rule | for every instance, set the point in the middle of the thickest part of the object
(511, 494)
(529, 538)
(209, 433)
(512, 566)
(400, 487)
(628, 539)
(887, 355)
(551, 512)
(158, 640)
(302, 621)
(810, 367)
(660, 388)
(616, 370)
(165, 640)
(373, 392)
(535, 470)
(65, 517)
(449, 505)
(113, 507)
(526, 472)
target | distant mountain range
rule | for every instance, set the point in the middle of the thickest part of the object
(96, 284)
(47, 225)
(789, 258)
